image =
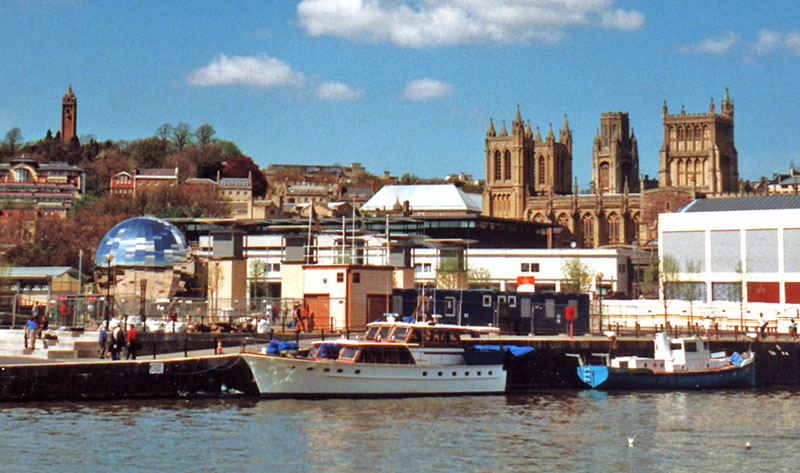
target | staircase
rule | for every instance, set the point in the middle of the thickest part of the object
(66, 345)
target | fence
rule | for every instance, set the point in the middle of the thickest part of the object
(726, 318)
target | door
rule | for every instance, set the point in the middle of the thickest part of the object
(319, 311)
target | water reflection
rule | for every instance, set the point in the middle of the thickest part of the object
(547, 431)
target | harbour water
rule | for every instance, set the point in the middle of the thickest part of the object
(543, 431)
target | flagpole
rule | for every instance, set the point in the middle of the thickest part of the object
(308, 245)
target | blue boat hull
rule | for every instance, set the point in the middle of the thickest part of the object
(607, 378)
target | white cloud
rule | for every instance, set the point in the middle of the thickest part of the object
(426, 89)
(711, 45)
(421, 23)
(622, 20)
(769, 42)
(333, 91)
(260, 71)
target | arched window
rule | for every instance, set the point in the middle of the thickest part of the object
(531, 163)
(497, 173)
(681, 174)
(613, 229)
(507, 166)
(587, 227)
(541, 170)
(603, 176)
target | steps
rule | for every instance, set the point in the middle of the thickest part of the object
(67, 345)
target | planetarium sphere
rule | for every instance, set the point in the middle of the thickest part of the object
(143, 241)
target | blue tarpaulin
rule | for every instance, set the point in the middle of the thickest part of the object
(515, 350)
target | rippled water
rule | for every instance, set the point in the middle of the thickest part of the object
(546, 431)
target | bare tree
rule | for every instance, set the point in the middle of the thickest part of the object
(164, 131)
(668, 271)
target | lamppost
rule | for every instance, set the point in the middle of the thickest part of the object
(600, 298)
(108, 257)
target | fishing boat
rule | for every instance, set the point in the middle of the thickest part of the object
(391, 359)
(679, 363)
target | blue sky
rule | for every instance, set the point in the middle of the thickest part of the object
(403, 85)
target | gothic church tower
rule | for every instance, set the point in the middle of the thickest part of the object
(698, 151)
(615, 156)
(521, 165)
(69, 116)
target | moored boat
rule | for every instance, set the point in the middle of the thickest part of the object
(681, 363)
(392, 359)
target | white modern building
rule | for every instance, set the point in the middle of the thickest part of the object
(728, 246)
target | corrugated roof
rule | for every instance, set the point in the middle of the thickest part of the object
(733, 204)
(427, 197)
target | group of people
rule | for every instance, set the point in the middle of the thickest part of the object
(34, 327)
(301, 319)
(111, 346)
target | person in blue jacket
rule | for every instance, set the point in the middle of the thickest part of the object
(30, 332)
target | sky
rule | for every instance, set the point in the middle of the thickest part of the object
(405, 86)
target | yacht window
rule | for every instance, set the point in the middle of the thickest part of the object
(416, 336)
(674, 346)
(399, 334)
(372, 332)
(384, 332)
(348, 353)
(690, 347)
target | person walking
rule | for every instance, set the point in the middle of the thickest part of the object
(102, 340)
(133, 343)
(762, 325)
(793, 330)
(117, 342)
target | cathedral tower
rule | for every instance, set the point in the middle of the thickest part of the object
(69, 116)
(698, 152)
(615, 156)
(521, 165)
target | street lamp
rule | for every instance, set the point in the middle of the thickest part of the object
(600, 298)
(108, 257)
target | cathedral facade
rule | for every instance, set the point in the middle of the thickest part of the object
(528, 178)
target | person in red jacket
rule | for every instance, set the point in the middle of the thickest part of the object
(132, 342)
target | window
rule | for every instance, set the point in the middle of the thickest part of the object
(356, 278)
(339, 277)
(534, 267)
(507, 166)
(525, 267)
(487, 301)
(512, 301)
(449, 306)
(276, 267)
(417, 267)
(426, 268)
(497, 166)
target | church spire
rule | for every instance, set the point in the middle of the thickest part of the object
(516, 126)
(538, 136)
(550, 135)
(490, 132)
(503, 131)
(528, 132)
(727, 105)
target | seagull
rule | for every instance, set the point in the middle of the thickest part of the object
(747, 445)
(632, 440)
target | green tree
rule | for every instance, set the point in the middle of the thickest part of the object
(408, 179)
(576, 276)
(164, 132)
(182, 135)
(12, 141)
(258, 278)
(205, 134)
(691, 291)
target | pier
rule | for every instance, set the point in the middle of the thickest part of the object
(189, 367)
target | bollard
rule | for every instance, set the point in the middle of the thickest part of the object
(322, 334)
(154, 350)
(297, 338)
(185, 347)
(776, 333)
(271, 334)
(636, 328)
(716, 330)
(736, 332)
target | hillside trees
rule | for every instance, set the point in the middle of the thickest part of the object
(243, 167)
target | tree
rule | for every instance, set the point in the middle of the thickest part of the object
(668, 270)
(182, 135)
(205, 134)
(450, 274)
(164, 131)
(243, 167)
(148, 152)
(577, 277)
(691, 290)
(228, 147)
(12, 142)
(408, 179)
(258, 278)
(208, 160)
